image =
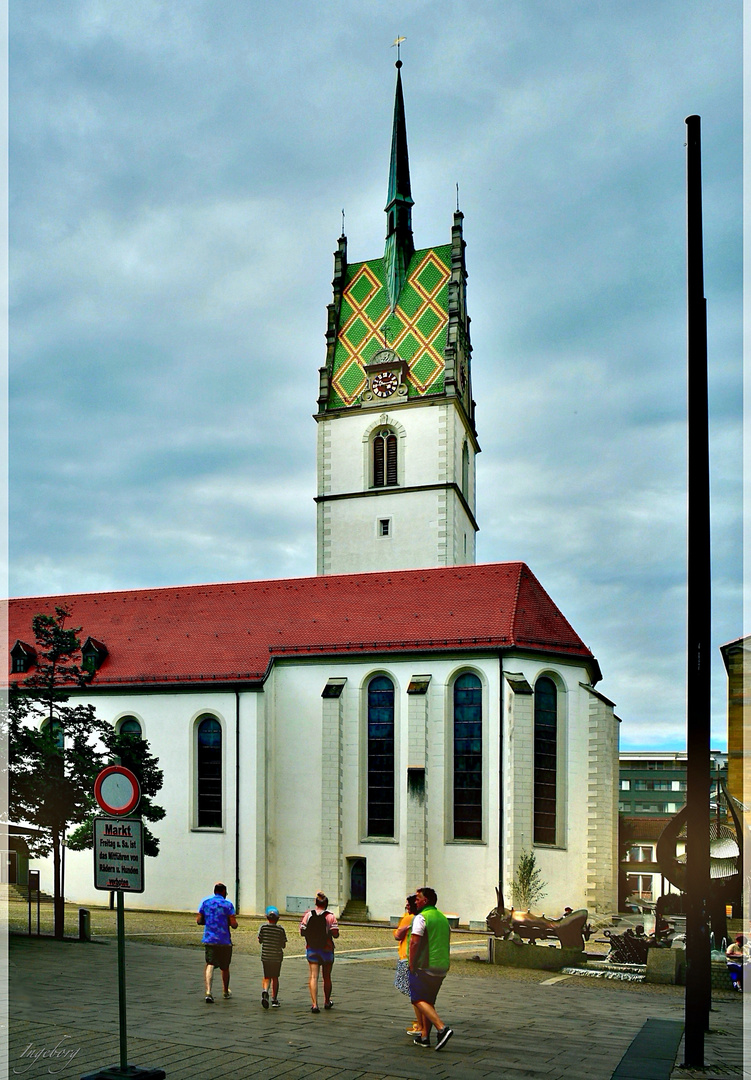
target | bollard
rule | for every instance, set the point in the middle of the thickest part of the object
(84, 924)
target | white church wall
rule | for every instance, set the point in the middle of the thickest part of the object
(189, 856)
(294, 781)
(563, 866)
(255, 811)
(462, 872)
(426, 528)
(347, 467)
(285, 777)
(413, 539)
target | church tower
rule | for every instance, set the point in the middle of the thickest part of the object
(396, 420)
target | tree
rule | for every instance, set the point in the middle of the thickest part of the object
(527, 886)
(56, 751)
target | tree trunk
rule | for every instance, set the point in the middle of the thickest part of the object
(59, 900)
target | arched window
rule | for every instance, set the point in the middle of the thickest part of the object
(380, 812)
(384, 458)
(128, 725)
(546, 761)
(55, 729)
(467, 758)
(465, 471)
(209, 769)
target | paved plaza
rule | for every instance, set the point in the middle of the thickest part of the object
(63, 999)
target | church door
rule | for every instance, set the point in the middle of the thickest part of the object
(357, 880)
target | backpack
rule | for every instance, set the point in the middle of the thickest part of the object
(317, 931)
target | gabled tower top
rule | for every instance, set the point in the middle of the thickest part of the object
(400, 245)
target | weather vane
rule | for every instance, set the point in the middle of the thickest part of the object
(398, 44)
(342, 221)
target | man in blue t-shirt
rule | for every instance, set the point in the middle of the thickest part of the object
(216, 914)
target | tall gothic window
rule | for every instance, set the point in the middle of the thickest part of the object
(465, 471)
(380, 814)
(209, 769)
(467, 758)
(546, 761)
(384, 458)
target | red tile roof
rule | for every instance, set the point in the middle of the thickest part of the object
(232, 632)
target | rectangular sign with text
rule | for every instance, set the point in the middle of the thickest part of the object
(118, 854)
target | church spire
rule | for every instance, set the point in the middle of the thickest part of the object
(400, 246)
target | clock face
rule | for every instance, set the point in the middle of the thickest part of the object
(384, 383)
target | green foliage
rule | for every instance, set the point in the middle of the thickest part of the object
(527, 886)
(132, 752)
(56, 751)
(51, 787)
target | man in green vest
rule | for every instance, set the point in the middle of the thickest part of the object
(428, 964)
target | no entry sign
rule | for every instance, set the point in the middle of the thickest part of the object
(117, 790)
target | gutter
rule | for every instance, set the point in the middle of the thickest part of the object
(237, 800)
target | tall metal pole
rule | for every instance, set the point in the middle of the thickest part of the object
(698, 963)
(121, 980)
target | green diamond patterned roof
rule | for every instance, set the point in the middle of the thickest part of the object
(416, 330)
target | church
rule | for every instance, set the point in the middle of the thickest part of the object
(404, 717)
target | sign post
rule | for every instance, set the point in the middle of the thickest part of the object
(118, 866)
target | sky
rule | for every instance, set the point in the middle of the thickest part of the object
(177, 175)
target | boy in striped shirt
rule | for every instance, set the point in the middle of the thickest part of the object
(273, 940)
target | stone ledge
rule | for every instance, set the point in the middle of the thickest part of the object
(539, 957)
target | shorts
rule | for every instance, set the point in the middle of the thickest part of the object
(424, 987)
(319, 956)
(219, 956)
(401, 979)
(271, 968)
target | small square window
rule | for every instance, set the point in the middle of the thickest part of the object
(384, 526)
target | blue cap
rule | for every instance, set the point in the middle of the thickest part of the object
(271, 910)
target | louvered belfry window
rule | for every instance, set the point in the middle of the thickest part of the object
(545, 761)
(384, 459)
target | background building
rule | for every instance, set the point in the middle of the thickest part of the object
(652, 789)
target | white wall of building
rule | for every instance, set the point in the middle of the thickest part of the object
(288, 823)
(426, 527)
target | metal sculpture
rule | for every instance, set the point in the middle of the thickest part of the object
(631, 947)
(571, 930)
(725, 862)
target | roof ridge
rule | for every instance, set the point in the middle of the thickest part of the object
(515, 606)
(326, 578)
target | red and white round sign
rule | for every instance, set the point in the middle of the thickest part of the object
(117, 790)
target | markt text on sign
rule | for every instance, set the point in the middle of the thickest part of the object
(118, 854)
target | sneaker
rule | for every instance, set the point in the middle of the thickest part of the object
(329, 1005)
(419, 1041)
(274, 1003)
(443, 1038)
(227, 993)
(265, 999)
(314, 1008)
(209, 999)
(414, 1030)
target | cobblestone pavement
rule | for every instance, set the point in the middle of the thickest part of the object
(64, 1020)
